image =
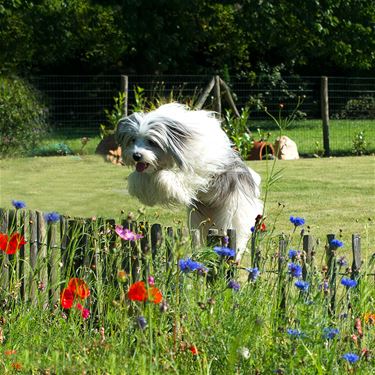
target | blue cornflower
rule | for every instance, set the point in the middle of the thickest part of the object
(303, 286)
(294, 332)
(232, 284)
(294, 254)
(336, 243)
(18, 204)
(330, 333)
(351, 357)
(189, 265)
(52, 217)
(224, 251)
(295, 270)
(349, 283)
(142, 322)
(253, 273)
(297, 221)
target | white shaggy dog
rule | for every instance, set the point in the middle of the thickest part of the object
(183, 156)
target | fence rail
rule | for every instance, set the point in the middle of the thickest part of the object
(89, 248)
(79, 101)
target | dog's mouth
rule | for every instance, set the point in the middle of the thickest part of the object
(140, 166)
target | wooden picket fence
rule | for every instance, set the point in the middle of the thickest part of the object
(54, 252)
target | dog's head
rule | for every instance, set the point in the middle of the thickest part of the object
(155, 140)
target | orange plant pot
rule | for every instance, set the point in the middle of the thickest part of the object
(261, 150)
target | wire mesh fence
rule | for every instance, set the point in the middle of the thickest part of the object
(77, 103)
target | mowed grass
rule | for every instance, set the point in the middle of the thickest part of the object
(308, 134)
(334, 195)
(203, 326)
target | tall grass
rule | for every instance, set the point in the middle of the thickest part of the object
(202, 325)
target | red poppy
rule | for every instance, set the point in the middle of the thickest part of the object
(154, 295)
(194, 350)
(79, 287)
(67, 298)
(11, 245)
(10, 352)
(137, 291)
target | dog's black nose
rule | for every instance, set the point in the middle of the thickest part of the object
(137, 156)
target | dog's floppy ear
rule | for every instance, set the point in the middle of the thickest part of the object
(178, 136)
(127, 128)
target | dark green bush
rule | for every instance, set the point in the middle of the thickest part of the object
(362, 107)
(23, 118)
(56, 149)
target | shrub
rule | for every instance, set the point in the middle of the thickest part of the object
(22, 117)
(237, 130)
(56, 149)
(362, 107)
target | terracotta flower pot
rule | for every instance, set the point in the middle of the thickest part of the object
(261, 150)
(109, 149)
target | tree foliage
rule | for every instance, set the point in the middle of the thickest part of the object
(195, 36)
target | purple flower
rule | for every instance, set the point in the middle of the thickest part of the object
(342, 262)
(324, 286)
(297, 221)
(330, 333)
(336, 243)
(142, 322)
(18, 204)
(351, 357)
(52, 217)
(224, 251)
(189, 265)
(253, 273)
(294, 254)
(303, 286)
(295, 270)
(349, 283)
(294, 332)
(127, 234)
(232, 284)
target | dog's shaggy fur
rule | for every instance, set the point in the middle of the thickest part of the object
(183, 156)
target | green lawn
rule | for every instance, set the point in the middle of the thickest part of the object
(308, 134)
(203, 325)
(334, 195)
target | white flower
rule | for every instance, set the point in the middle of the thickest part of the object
(243, 352)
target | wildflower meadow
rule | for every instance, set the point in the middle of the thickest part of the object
(127, 303)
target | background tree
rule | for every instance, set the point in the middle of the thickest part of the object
(239, 38)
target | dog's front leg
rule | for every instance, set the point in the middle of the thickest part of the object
(173, 188)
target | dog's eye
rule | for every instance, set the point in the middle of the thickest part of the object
(131, 140)
(151, 143)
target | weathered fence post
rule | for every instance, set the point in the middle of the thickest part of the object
(213, 237)
(42, 258)
(205, 94)
(54, 259)
(332, 272)
(281, 275)
(125, 90)
(156, 239)
(356, 248)
(195, 238)
(324, 101)
(4, 276)
(308, 248)
(232, 239)
(217, 95)
(30, 283)
(169, 247)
